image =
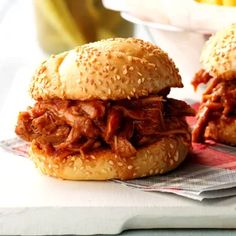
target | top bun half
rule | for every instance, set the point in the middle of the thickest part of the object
(113, 69)
(219, 54)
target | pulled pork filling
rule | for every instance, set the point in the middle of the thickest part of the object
(64, 127)
(218, 102)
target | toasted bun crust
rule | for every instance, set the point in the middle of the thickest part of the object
(158, 158)
(116, 68)
(219, 54)
(223, 131)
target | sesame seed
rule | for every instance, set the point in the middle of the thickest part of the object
(176, 157)
(171, 146)
(151, 172)
(139, 81)
(111, 162)
(130, 167)
(125, 71)
(75, 168)
(120, 164)
(71, 163)
(144, 92)
(151, 65)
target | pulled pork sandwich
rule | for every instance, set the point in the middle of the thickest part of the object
(102, 112)
(217, 112)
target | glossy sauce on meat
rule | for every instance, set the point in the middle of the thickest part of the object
(218, 102)
(63, 127)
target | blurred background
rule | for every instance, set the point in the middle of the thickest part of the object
(30, 30)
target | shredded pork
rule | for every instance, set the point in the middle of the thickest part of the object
(63, 127)
(218, 102)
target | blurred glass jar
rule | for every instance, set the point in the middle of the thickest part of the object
(64, 24)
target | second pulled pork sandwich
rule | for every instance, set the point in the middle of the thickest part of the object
(102, 112)
(217, 112)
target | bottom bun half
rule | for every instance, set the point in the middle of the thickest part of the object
(222, 131)
(157, 158)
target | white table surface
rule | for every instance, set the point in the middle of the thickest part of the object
(33, 204)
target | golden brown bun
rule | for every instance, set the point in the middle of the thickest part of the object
(158, 158)
(116, 68)
(223, 131)
(219, 54)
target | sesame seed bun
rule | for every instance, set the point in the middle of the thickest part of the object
(219, 54)
(157, 158)
(114, 69)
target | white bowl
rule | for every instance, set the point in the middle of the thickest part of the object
(180, 28)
